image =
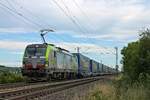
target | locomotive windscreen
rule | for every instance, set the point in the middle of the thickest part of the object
(35, 51)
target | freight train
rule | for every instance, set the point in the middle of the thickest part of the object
(46, 62)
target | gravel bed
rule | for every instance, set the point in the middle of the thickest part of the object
(75, 93)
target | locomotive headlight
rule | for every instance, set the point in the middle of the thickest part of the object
(46, 65)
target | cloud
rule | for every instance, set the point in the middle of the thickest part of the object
(106, 18)
(13, 45)
(102, 13)
(86, 48)
(116, 36)
(16, 30)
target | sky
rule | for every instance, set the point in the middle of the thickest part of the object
(95, 26)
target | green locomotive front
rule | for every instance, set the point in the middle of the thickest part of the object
(46, 62)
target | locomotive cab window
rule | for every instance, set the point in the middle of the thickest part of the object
(35, 51)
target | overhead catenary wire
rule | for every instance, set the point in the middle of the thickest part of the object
(69, 15)
(90, 24)
(26, 20)
(37, 18)
(76, 19)
(27, 10)
(66, 14)
(18, 17)
(11, 5)
(73, 16)
(21, 15)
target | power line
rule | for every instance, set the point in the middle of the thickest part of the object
(37, 17)
(21, 15)
(9, 12)
(17, 13)
(66, 14)
(75, 18)
(83, 13)
(30, 13)
(11, 5)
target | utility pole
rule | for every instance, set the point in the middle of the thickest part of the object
(101, 66)
(79, 66)
(116, 48)
(78, 50)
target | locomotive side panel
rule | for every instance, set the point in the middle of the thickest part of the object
(60, 60)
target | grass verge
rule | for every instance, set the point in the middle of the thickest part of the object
(118, 89)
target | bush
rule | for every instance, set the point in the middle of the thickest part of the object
(136, 58)
(8, 77)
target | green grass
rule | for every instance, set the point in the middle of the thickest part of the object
(110, 92)
(10, 74)
(118, 89)
(8, 77)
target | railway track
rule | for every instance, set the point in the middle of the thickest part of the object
(10, 86)
(36, 91)
(15, 85)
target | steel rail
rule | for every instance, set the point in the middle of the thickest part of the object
(29, 93)
(11, 86)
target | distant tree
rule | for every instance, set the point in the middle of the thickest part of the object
(2, 66)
